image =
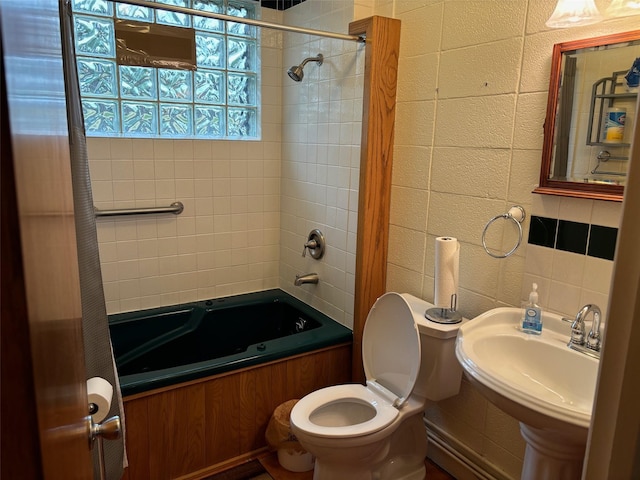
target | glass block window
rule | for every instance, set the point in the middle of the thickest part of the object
(220, 99)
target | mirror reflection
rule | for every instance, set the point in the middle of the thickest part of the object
(598, 100)
(592, 101)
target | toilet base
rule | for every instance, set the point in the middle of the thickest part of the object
(399, 457)
(399, 468)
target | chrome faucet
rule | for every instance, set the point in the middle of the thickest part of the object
(593, 340)
(306, 278)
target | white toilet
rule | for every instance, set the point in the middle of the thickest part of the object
(376, 432)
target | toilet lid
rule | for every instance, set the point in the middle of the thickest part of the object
(391, 349)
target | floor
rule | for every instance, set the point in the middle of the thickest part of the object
(270, 462)
(255, 470)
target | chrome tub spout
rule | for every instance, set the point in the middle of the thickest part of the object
(305, 278)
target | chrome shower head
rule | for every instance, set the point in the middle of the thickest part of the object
(296, 74)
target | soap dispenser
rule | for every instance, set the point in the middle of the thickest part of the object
(532, 321)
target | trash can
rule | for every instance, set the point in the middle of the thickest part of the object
(291, 455)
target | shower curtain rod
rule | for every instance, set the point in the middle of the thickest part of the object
(247, 21)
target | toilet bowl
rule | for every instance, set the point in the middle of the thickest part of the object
(376, 431)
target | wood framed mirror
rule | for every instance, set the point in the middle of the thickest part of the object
(592, 91)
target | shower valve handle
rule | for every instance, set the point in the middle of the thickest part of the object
(315, 244)
(311, 244)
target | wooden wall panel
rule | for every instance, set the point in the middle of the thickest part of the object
(300, 375)
(265, 404)
(278, 384)
(161, 428)
(176, 431)
(223, 418)
(189, 453)
(137, 438)
(336, 366)
(193, 427)
(247, 407)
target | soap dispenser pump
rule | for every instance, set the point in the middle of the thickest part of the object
(532, 321)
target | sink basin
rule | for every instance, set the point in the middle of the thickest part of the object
(537, 379)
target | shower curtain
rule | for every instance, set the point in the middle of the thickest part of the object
(97, 342)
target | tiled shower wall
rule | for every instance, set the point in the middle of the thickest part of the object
(321, 157)
(227, 239)
(472, 93)
(248, 205)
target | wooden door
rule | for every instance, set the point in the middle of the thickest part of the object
(44, 402)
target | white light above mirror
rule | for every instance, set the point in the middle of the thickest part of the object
(574, 13)
(623, 8)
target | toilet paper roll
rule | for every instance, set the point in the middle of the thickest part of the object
(100, 393)
(447, 259)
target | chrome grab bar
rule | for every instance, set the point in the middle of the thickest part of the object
(176, 208)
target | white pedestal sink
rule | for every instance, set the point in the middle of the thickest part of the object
(548, 387)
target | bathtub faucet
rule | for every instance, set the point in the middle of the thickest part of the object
(306, 278)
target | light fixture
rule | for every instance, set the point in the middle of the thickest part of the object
(623, 8)
(574, 13)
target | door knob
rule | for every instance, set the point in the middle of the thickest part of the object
(108, 429)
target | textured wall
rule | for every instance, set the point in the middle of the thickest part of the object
(472, 93)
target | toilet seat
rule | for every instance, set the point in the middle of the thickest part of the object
(391, 355)
(391, 348)
(383, 413)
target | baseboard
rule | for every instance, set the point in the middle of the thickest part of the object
(456, 458)
(225, 465)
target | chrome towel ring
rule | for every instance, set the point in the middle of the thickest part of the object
(515, 214)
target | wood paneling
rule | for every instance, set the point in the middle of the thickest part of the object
(190, 430)
(40, 288)
(191, 404)
(247, 407)
(137, 433)
(264, 404)
(376, 159)
(222, 419)
(20, 454)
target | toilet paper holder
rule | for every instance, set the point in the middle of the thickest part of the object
(516, 214)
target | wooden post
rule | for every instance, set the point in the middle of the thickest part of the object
(376, 159)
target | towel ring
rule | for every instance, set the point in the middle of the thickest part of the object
(517, 215)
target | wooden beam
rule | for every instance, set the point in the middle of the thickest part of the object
(376, 158)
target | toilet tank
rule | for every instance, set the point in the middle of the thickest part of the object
(440, 373)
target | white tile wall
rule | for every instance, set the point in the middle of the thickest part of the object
(321, 156)
(472, 92)
(227, 239)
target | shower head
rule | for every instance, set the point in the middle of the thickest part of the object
(296, 72)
